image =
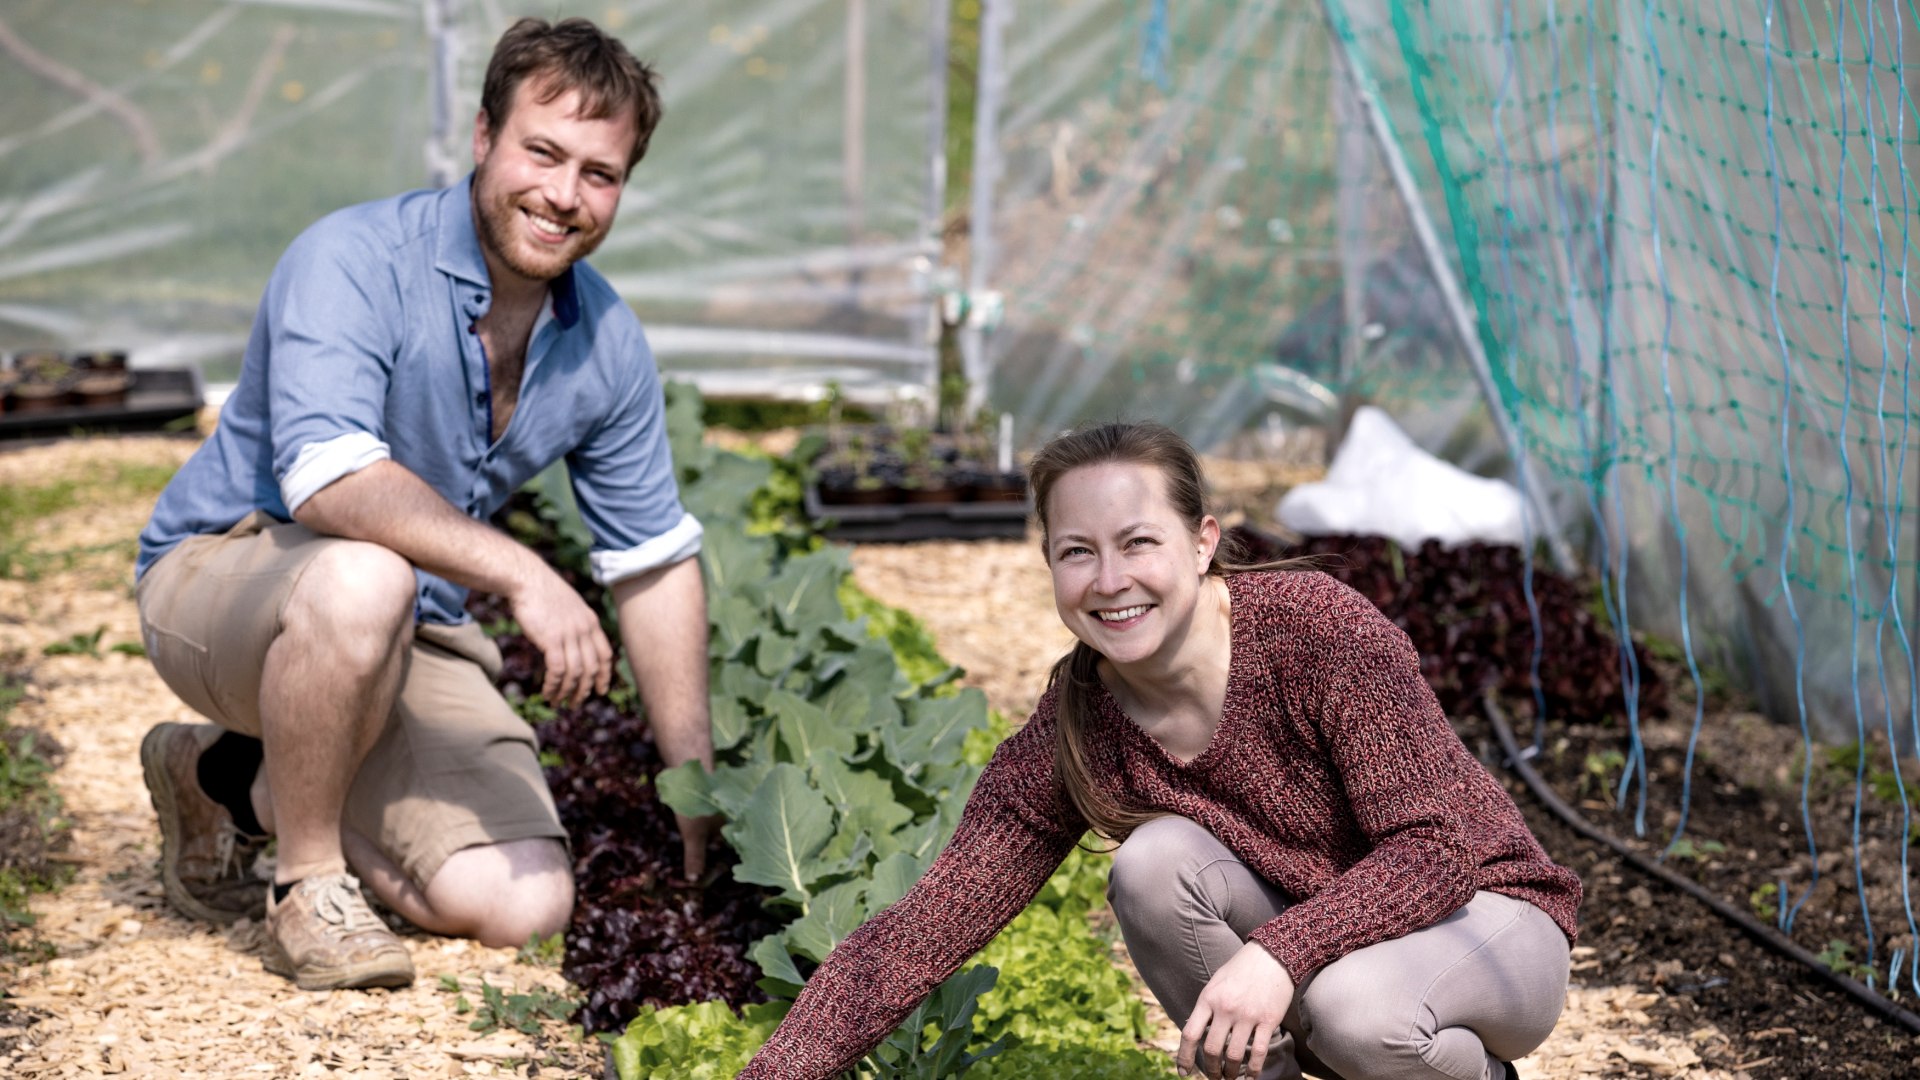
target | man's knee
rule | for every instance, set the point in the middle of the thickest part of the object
(504, 894)
(350, 586)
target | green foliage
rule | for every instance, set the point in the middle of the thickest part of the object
(22, 507)
(533, 708)
(1061, 987)
(1599, 768)
(759, 415)
(31, 819)
(1050, 1061)
(704, 1041)
(543, 952)
(1838, 956)
(906, 635)
(1765, 901)
(85, 644)
(933, 1041)
(521, 1012)
(1698, 851)
(1844, 762)
(129, 648)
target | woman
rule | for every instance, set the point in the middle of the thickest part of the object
(1313, 872)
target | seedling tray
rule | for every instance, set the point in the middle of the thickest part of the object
(919, 521)
(156, 398)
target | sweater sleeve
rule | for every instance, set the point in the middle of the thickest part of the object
(1014, 832)
(1403, 770)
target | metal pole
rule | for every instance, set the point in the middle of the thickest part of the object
(853, 150)
(939, 46)
(442, 87)
(1463, 322)
(1350, 214)
(995, 15)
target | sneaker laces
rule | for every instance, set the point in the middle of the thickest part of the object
(234, 851)
(337, 900)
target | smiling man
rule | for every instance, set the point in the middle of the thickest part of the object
(303, 579)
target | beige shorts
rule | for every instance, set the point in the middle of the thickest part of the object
(455, 767)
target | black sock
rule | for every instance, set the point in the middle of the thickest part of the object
(280, 891)
(227, 769)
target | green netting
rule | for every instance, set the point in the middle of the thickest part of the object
(1680, 231)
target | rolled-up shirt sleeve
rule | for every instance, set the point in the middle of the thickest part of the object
(321, 463)
(333, 313)
(623, 480)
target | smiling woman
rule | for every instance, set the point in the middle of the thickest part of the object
(1313, 871)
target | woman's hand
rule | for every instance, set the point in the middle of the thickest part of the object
(1238, 1012)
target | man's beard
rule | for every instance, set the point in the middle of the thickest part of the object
(499, 220)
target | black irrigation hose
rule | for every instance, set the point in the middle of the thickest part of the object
(1759, 931)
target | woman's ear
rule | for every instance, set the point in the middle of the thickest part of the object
(1207, 541)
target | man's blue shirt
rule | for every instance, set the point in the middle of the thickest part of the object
(365, 348)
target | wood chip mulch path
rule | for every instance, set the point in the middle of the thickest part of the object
(132, 988)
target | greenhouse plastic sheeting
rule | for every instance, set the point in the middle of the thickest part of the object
(1680, 232)
(1167, 218)
(781, 230)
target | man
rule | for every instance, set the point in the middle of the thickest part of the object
(301, 583)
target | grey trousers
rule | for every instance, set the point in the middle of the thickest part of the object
(1449, 1002)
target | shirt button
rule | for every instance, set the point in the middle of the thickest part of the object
(480, 398)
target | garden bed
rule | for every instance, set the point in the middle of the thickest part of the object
(1468, 616)
(134, 984)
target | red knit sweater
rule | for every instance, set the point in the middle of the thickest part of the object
(1333, 774)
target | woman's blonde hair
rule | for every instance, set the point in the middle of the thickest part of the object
(1076, 675)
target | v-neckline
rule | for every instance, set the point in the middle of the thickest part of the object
(1109, 705)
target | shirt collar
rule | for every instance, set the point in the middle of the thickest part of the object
(457, 252)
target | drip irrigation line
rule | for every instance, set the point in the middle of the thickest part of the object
(1754, 928)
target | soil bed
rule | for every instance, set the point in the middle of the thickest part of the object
(1467, 614)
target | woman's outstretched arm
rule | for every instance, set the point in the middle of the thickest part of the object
(1012, 835)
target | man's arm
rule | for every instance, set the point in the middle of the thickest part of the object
(386, 504)
(663, 624)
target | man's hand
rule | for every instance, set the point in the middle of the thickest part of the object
(694, 833)
(568, 635)
(1235, 1019)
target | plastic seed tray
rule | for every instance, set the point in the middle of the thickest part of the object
(157, 398)
(903, 521)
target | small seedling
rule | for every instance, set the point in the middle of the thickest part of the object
(1765, 901)
(521, 1012)
(544, 952)
(129, 648)
(77, 645)
(1598, 769)
(449, 984)
(533, 708)
(1838, 956)
(1687, 848)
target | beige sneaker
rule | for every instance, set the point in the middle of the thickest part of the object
(206, 864)
(324, 937)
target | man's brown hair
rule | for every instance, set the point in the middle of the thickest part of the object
(572, 54)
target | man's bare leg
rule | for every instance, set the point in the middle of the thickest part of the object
(328, 687)
(330, 681)
(497, 894)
